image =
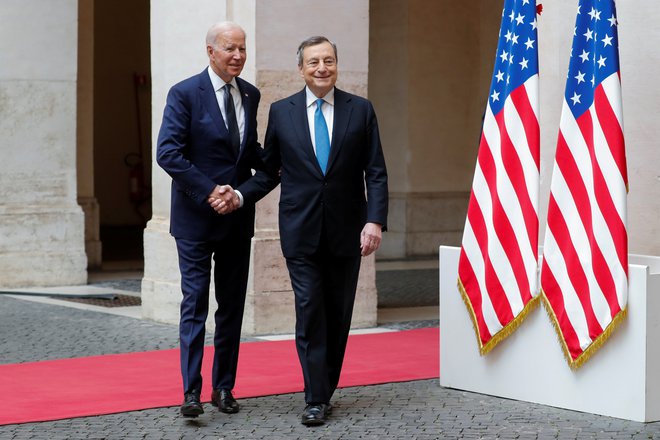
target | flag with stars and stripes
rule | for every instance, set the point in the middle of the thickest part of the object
(584, 274)
(497, 270)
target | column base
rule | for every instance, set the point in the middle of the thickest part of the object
(44, 248)
(93, 245)
(270, 307)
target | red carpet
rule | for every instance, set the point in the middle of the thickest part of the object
(66, 388)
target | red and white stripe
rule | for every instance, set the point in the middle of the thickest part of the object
(498, 262)
(584, 275)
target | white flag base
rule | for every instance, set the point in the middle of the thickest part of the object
(622, 378)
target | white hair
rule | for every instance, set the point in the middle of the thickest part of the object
(218, 28)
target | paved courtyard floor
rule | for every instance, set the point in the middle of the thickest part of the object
(33, 328)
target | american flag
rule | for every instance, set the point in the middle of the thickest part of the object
(584, 274)
(498, 269)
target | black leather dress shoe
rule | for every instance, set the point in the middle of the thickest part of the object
(191, 407)
(315, 414)
(225, 402)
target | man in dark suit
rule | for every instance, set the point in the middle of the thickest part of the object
(208, 144)
(323, 144)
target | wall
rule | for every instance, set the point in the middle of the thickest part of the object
(426, 76)
(430, 69)
(639, 38)
(638, 42)
(388, 91)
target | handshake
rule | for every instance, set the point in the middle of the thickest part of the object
(223, 199)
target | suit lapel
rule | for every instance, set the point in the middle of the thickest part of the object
(340, 125)
(300, 124)
(249, 117)
(298, 113)
(210, 102)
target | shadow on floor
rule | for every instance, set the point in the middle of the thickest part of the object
(407, 288)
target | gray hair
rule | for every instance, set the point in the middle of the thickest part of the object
(218, 28)
(313, 41)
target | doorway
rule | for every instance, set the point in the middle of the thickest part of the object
(122, 128)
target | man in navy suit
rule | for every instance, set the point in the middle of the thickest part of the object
(323, 145)
(208, 144)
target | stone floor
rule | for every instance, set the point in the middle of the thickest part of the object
(37, 328)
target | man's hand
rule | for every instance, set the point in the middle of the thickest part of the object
(223, 199)
(370, 238)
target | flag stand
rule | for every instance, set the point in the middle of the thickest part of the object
(622, 379)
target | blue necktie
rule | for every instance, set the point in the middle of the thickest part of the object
(232, 124)
(321, 137)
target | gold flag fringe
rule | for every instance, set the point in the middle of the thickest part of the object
(505, 331)
(593, 347)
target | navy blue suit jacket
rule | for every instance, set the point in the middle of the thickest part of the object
(332, 207)
(194, 149)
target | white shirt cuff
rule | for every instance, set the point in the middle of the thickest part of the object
(240, 198)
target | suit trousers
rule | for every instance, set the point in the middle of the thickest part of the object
(232, 258)
(324, 286)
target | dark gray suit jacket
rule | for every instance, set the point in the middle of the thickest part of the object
(334, 207)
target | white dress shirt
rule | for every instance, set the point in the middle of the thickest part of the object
(218, 86)
(328, 110)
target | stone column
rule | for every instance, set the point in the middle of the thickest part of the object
(279, 28)
(274, 30)
(638, 56)
(178, 51)
(41, 224)
(85, 133)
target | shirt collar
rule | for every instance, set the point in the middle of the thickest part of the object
(219, 83)
(311, 98)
